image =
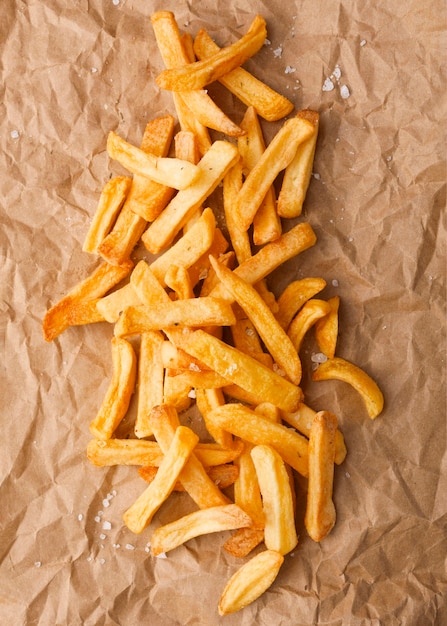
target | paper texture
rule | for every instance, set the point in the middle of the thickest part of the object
(70, 73)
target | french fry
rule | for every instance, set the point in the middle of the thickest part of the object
(232, 184)
(275, 158)
(277, 500)
(250, 581)
(110, 202)
(297, 293)
(341, 369)
(199, 74)
(79, 305)
(112, 305)
(267, 102)
(243, 541)
(177, 392)
(150, 380)
(207, 400)
(297, 174)
(320, 510)
(246, 489)
(177, 279)
(274, 337)
(243, 370)
(203, 522)
(326, 329)
(222, 475)
(167, 171)
(142, 452)
(200, 269)
(212, 168)
(192, 312)
(140, 514)
(116, 401)
(259, 430)
(313, 310)
(147, 286)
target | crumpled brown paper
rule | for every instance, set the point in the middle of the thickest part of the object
(70, 72)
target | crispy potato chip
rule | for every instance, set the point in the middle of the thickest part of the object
(320, 510)
(326, 329)
(297, 293)
(341, 369)
(201, 73)
(250, 581)
(203, 522)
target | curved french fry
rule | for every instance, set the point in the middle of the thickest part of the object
(311, 312)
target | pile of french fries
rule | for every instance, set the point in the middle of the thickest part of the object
(199, 324)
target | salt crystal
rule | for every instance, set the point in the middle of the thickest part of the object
(162, 555)
(384, 327)
(337, 73)
(102, 561)
(80, 517)
(363, 42)
(114, 492)
(267, 42)
(344, 92)
(37, 564)
(348, 475)
(105, 503)
(102, 536)
(89, 558)
(316, 176)
(116, 2)
(192, 394)
(97, 519)
(335, 283)
(94, 70)
(277, 52)
(318, 357)
(129, 546)
(350, 238)
(328, 85)
(109, 496)
(289, 70)
(15, 134)
(194, 367)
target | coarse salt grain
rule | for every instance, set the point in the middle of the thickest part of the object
(335, 283)
(289, 69)
(116, 2)
(15, 134)
(102, 561)
(97, 519)
(37, 564)
(94, 70)
(162, 555)
(277, 52)
(344, 92)
(80, 517)
(328, 85)
(194, 367)
(337, 73)
(318, 357)
(129, 546)
(105, 503)
(363, 42)
(348, 475)
(102, 536)
(192, 394)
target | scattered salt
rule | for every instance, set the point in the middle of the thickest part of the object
(267, 42)
(147, 547)
(328, 85)
(116, 545)
(337, 73)
(344, 92)
(162, 555)
(348, 475)
(316, 176)
(105, 503)
(289, 69)
(80, 517)
(129, 546)
(15, 134)
(102, 561)
(318, 357)
(37, 564)
(97, 519)
(384, 327)
(116, 2)
(335, 283)
(102, 536)
(192, 394)
(194, 367)
(89, 558)
(350, 238)
(94, 70)
(363, 42)
(277, 52)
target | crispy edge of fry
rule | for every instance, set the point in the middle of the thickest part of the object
(250, 581)
(222, 475)
(138, 516)
(292, 298)
(204, 521)
(150, 380)
(200, 73)
(313, 310)
(320, 510)
(117, 398)
(343, 370)
(243, 541)
(326, 329)
(112, 305)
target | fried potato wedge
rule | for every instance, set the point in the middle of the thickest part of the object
(201, 73)
(203, 522)
(250, 581)
(341, 369)
(320, 510)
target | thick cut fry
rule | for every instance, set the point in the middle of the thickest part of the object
(273, 336)
(140, 514)
(243, 370)
(232, 184)
(277, 500)
(207, 400)
(177, 279)
(326, 329)
(147, 286)
(294, 296)
(164, 421)
(310, 313)
(79, 305)
(247, 494)
(243, 541)
(110, 202)
(302, 421)
(341, 369)
(177, 393)
(320, 510)
(259, 430)
(222, 475)
(111, 306)
(200, 269)
(212, 168)
(267, 102)
(117, 247)
(201, 73)
(210, 520)
(297, 174)
(150, 380)
(189, 248)
(193, 312)
(275, 158)
(141, 452)
(116, 401)
(167, 171)
(250, 581)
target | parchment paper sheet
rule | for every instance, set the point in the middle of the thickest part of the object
(72, 71)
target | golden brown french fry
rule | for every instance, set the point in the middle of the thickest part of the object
(79, 305)
(243, 370)
(222, 475)
(250, 581)
(201, 73)
(142, 452)
(302, 420)
(326, 329)
(243, 541)
(177, 392)
(277, 499)
(297, 174)
(232, 184)
(177, 279)
(200, 269)
(313, 310)
(247, 494)
(164, 420)
(167, 171)
(116, 401)
(212, 168)
(320, 510)
(203, 522)
(110, 202)
(297, 293)
(246, 339)
(268, 103)
(184, 313)
(150, 380)
(341, 369)
(259, 430)
(147, 286)
(112, 305)
(275, 158)
(273, 336)
(187, 146)
(140, 514)
(207, 400)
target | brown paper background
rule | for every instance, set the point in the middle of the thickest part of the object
(377, 207)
